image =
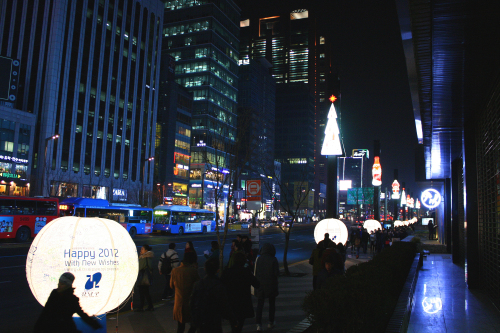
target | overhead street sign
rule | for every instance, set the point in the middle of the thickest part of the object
(254, 190)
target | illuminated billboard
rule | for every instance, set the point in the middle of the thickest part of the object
(360, 153)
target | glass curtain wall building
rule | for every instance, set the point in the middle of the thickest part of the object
(202, 37)
(89, 72)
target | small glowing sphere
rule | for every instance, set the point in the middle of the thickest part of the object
(372, 225)
(100, 254)
(336, 229)
(398, 223)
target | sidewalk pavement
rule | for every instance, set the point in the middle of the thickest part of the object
(443, 303)
(289, 314)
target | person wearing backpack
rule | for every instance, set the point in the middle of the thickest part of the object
(209, 302)
(168, 261)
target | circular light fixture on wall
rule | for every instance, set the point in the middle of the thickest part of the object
(100, 254)
(431, 198)
(336, 229)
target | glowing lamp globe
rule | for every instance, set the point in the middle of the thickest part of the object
(98, 252)
(372, 225)
(336, 229)
(398, 223)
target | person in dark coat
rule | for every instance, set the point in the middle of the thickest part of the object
(146, 269)
(238, 280)
(430, 227)
(315, 261)
(266, 271)
(209, 302)
(57, 315)
(214, 251)
(327, 271)
(364, 240)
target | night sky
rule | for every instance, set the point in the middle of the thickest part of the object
(375, 95)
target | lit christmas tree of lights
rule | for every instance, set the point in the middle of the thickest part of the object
(331, 143)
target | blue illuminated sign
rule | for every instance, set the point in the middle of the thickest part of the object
(430, 198)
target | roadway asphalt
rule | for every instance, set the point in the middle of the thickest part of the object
(20, 310)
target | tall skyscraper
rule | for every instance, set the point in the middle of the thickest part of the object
(288, 37)
(89, 72)
(173, 138)
(202, 37)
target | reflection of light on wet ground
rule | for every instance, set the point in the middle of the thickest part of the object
(432, 304)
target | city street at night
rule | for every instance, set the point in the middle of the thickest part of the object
(20, 310)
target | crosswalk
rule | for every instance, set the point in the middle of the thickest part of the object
(289, 313)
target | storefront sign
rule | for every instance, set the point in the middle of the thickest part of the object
(9, 175)
(119, 194)
(13, 159)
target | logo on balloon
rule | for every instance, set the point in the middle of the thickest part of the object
(93, 281)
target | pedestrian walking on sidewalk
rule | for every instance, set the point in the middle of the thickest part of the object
(190, 248)
(214, 251)
(182, 281)
(238, 248)
(315, 261)
(145, 277)
(238, 279)
(168, 261)
(372, 242)
(209, 301)
(330, 268)
(357, 244)
(266, 271)
(364, 240)
(57, 315)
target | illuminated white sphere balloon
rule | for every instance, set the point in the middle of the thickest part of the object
(398, 223)
(372, 225)
(336, 229)
(98, 252)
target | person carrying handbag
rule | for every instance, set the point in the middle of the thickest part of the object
(145, 277)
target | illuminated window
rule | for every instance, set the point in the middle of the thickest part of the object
(245, 23)
(322, 55)
(322, 40)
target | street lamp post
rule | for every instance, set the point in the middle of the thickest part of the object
(149, 159)
(54, 137)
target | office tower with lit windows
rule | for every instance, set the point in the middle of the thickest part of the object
(89, 72)
(202, 37)
(288, 37)
(173, 138)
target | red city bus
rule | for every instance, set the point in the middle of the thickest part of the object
(23, 217)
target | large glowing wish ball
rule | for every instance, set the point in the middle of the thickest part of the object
(100, 254)
(336, 229)
(372, 225)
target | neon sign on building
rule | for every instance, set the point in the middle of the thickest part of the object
(430, 198)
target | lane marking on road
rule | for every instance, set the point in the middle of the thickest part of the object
(12, 267)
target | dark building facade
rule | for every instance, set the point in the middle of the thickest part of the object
(294, 135)
(202, 37)
(89, 73)
(288, 37)
(173, 138)
(452, 57)
(256, 121)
